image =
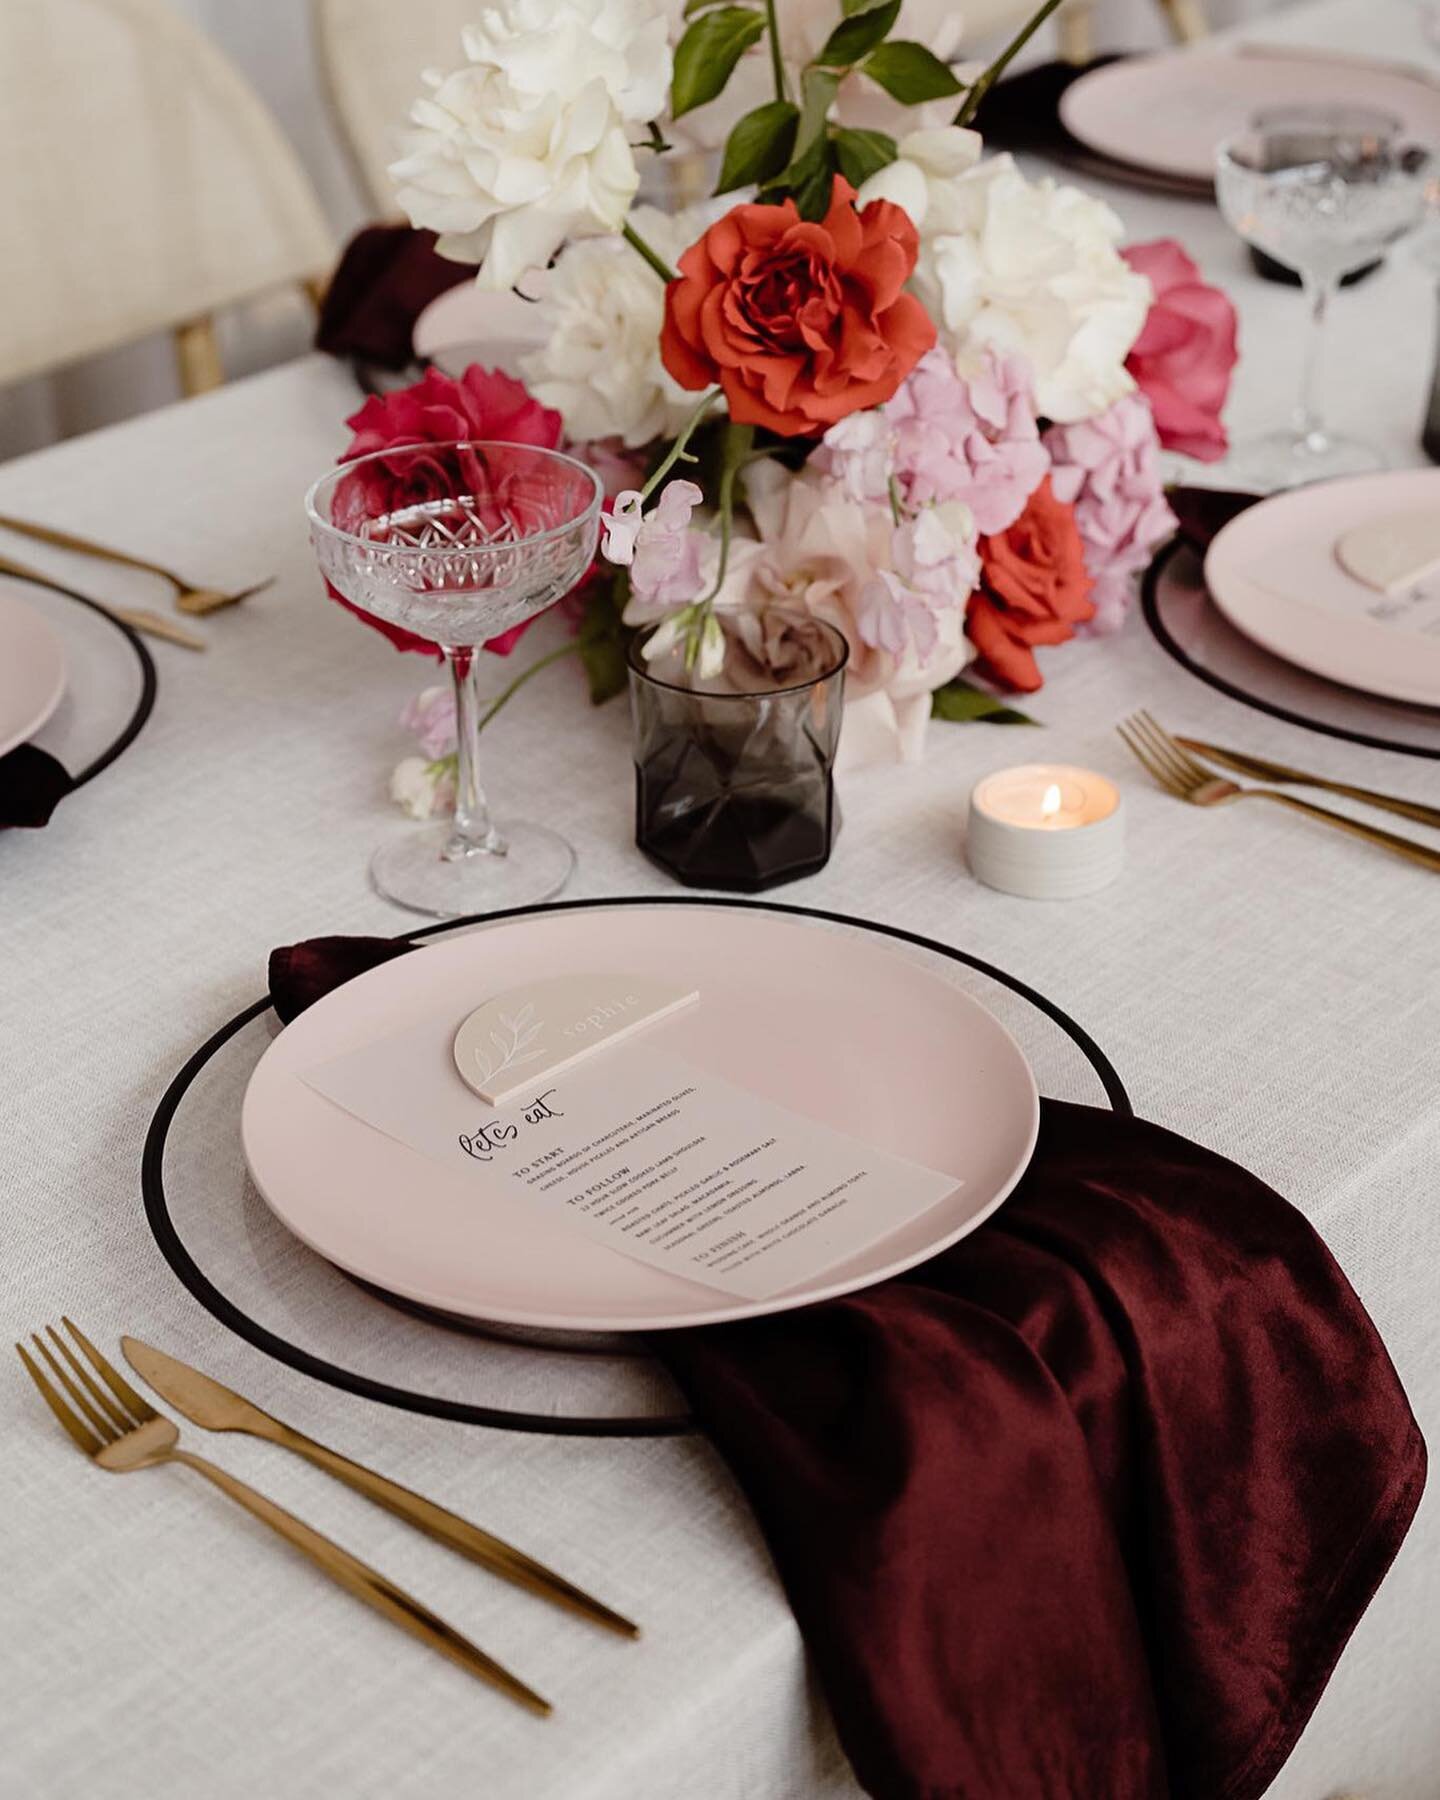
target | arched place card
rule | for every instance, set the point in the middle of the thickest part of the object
(510, 1042)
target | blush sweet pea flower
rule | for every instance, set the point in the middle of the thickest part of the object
(658, 547)
(1182, 360)
(430, 719)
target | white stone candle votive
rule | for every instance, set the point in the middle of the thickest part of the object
(1046, 831)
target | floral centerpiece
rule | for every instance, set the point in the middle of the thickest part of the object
(881, 377)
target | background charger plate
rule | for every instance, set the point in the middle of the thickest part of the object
(248, 1272)
(32, 671)
(1168, 112)
(1357, 653)
(843, 1031)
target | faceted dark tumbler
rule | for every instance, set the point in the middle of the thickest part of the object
(733, 789)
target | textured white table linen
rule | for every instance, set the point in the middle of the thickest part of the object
(1262, 986)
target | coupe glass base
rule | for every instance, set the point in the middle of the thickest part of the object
(411, 871)
(1286, 459)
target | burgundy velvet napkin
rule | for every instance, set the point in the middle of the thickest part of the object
(1201, 513)
(32, 785)
(1084, 1508)
(388, 275)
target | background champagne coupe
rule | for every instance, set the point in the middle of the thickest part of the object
(458, 543)
(1325, 190)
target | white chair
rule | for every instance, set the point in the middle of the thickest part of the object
(145, 186)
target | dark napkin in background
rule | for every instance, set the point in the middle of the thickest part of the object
(387, 276)
(32, 785)
(1201, 513)
(1085, 1507)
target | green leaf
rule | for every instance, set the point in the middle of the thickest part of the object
(706, 56)
(852, 38)
(817, 90)
(603, 640)
(849, 8)
(862, 154)
(760, 146)
(695, 6)
(910, 73)
(962, 703)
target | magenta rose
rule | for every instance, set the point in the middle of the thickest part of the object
(437, 409)
(1183, 358)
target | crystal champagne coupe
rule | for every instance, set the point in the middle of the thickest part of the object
(458, 543)
(1325, 190)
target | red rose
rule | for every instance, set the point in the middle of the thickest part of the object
(1034, 590)
(801, 323)
(1182, 359)
(437, 409)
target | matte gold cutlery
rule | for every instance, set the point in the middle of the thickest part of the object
(1179, 774)
(121, 1432)
(206, 1402)
(138, 618)
(188, 597)
(1261, 770)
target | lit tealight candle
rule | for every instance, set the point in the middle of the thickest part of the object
(1046, 831)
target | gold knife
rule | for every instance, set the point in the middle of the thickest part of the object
(138, 618)
(1262, 770)
(207, 1403)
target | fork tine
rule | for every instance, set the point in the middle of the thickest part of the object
(141, 1410)
(92, 1446)
(101, 1421)
(1195, 770)
(1142, 755)
(1154, 738)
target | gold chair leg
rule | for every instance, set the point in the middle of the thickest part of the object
(1187, 19)
(1073, 23)
(316, 287)
(198, 357)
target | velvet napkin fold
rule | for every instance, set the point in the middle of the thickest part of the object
(1201, 513)
(387, 276)
(1084, 1508)
(32, 785)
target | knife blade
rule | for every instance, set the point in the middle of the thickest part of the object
(210, 1404)
(1259, 769)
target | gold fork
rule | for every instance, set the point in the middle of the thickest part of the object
(136, 617)
(188, 597)
(122, 1432)
(1179, 774)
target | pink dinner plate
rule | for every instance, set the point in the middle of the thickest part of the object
(1358, 652)
(32, 672)
(843, 1029)
(1168, 112)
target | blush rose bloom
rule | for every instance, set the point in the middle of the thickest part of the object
(1183, 358)
(438, 409)
(801, 322)
(1035, 590)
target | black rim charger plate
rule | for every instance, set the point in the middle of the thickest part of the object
(157, 1211)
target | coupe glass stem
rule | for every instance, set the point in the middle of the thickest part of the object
(472, 833)
(1310, 414)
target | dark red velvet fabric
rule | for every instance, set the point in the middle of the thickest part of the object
(1086, 1507)
(32, 785)
(387, 276)
(1201, 513)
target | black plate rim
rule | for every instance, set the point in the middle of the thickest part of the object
(234, 1318)
(1160, 631)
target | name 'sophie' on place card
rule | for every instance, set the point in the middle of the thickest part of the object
(639, 1149)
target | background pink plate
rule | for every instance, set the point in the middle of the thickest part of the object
(1168, 112)
(465, 325)
(823, 1020)
(32, 672)
(1360, 653)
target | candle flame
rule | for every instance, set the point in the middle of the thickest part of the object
(1050, 802)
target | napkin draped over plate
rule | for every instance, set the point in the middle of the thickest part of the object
(1085, 1507)
(32, 785)
(387, 276)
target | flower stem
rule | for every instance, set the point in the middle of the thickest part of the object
(542, 662)
(777, 61)
(638, 244)
(738, 440)
(973, 100)
(676, 452)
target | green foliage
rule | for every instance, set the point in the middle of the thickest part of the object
(910, 73)
(962, 703)
(862, 154)
(706, 56)
(857, 35)
(760, 146)
(605, 638)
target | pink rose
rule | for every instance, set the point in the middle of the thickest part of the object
(1182, 359)
(437, 409)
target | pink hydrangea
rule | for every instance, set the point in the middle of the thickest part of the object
(1108, 469)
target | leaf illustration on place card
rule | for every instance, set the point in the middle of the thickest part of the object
(512, 1040)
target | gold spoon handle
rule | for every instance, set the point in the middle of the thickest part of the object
(68, 540)
(1371, 834)
(366, 1584)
